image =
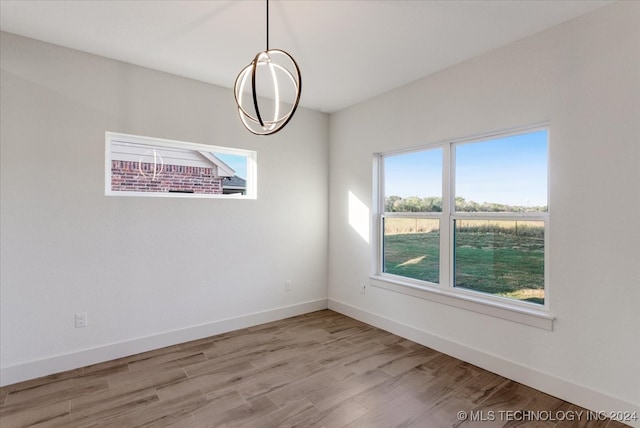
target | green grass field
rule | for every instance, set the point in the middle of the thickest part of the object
(492, 259)
(414, 255)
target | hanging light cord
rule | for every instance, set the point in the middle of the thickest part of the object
(279, 63)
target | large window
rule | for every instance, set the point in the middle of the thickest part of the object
(145, 166)
(468, 217)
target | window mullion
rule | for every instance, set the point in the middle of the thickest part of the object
(380, 214)
(445, 220)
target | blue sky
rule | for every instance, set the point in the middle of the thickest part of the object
(414, 174)
(510, 170)
(237, 162)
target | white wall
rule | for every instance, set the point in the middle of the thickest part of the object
(584, 78)
(147, 271)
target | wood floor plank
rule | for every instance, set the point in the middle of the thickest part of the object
(444, 383)
(252, 413)
(375, 361)
(442, 413)
(106, 369)
(176, 358)
(180, 387)
(169, 413)
(284, 350)
(400, 411)
(284, 375)
(505, 399)
(294, 413)
(88, 410)
(301, 388)
(320, 369)
(335, 392)
(151, 377)
(42, 414)
(478, 388)
(61, 390)
(337, 416)
(411, 383)
(407, 361)
(32, 383)
(219, 364)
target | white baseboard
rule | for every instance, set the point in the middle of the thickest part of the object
(552, 385)
(85, 357)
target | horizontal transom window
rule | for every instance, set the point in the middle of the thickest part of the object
(145, 166)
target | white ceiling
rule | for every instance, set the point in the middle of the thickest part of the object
(347, 50)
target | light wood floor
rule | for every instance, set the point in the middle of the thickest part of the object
(321, 369)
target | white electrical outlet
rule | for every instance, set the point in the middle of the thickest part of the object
(287, 285)
(363, 287)
(81, 319)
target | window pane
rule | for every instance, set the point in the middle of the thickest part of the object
(138, 166)
(236, 184)
(412, 248)
(503, 258)
(413, 182)
(502, 175)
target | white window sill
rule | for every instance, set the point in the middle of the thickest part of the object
(534, 317)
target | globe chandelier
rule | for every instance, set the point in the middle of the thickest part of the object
(277, 75)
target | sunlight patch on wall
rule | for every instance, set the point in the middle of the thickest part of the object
(359, 216)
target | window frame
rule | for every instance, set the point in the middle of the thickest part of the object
(251, 156)
(537, 315)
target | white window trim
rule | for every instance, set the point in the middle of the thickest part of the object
(499, 307)
(251, 179)
(465, 300)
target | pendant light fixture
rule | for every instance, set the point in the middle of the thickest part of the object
(277, 74)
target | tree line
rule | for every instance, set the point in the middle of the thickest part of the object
(434, 204)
